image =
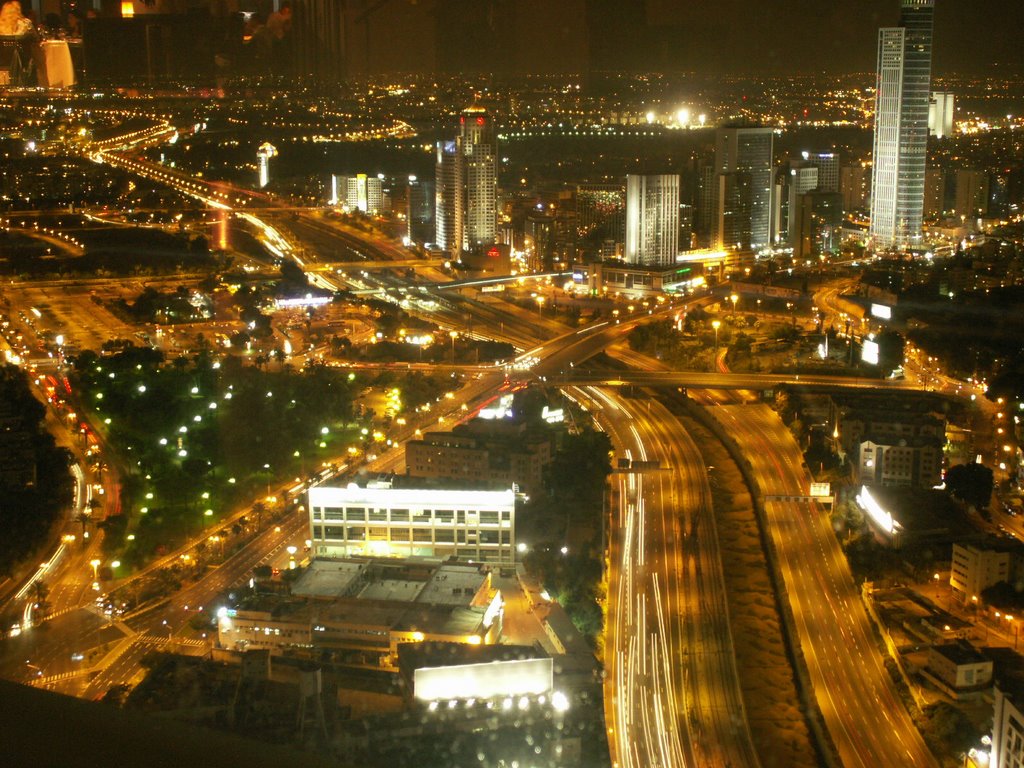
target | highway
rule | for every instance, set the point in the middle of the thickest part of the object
(867, 722)
(706, 380)
(672, 694)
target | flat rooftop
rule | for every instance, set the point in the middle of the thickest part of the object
(390, 497)
(391, 580)
(328, 578)
(960, 653)
(452, 585)
(392, 590)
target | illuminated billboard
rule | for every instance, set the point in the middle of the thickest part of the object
(521, 677)
(878, 514)
(869, 352)
(821, 490)
(305, 301)
(881, 311)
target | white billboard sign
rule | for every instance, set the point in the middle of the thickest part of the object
(521, 677)
(869, 352)
(821, 490)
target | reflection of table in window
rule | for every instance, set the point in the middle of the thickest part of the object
(53, 64)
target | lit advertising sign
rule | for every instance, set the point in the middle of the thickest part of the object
(869, 352)
(821, 490)
(881, 311)
(876, 512)
(553, 415)
(306, 301)
(522, 677)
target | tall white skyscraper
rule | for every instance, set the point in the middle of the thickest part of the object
(940, 114)
(479, 160)
(652, 219)
(448, 198)
(358, 193)
(265, 152)
(467, 185)
(901, 126)
(743, 174)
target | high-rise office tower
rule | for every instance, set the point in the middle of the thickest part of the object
(814, 222)
(478, 150)
(448, 198)
(901, 126)
(652, 219)
(803, 178)
(265, 152)
(935, 192)
(827, 164)
(419, 211)
(358, 193)
(972, 188)
(941, 105)
(467, 185)
(855, 186)
(743, 173)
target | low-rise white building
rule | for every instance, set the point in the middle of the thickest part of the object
(383, 521)
(960, 666)
(1007, 730)
(976, 568)
(901, 464)
(369, 608)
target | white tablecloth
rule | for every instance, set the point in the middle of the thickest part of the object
(53, 65)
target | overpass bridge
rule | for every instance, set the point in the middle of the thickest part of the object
(705, 380)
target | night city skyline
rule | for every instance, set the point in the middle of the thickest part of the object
(511, 383)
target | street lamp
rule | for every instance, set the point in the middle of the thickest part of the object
(716, 324)
(453, 335)
(292, 549)
(540, 306)
(95, 563)
(734, 298)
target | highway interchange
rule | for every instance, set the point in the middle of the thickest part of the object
(672, 691)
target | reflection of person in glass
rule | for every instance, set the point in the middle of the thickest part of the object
(73, 25)
(12, 22)
(16, 40)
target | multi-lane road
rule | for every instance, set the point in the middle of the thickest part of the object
(867, 722)
(672, 687)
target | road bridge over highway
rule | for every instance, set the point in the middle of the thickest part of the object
(704, 380)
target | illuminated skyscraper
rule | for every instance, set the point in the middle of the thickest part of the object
(263, 155)
(652, 219)
(448, 196)
(827, 164)
(478, 150)
(358, 193)
(940, 114)
(901, 126)
(467, 185)
(743, 175)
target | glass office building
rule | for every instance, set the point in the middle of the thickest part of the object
(901, 127)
